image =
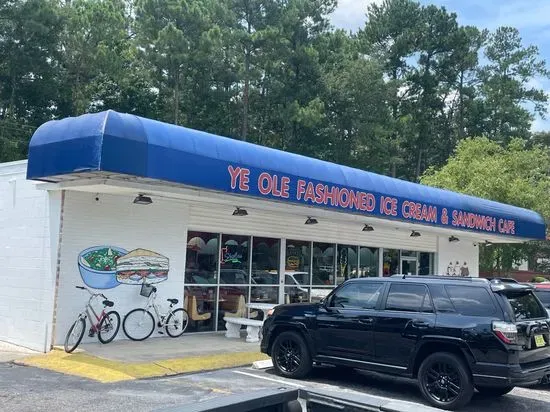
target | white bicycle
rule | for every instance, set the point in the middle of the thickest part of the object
(139, 323)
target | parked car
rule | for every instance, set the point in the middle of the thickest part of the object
(542, 290)
(451, 334)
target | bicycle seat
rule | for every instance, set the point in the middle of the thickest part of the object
(173, 301)
(108, 303)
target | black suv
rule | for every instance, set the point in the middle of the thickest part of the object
(452, 334)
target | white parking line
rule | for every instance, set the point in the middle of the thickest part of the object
(334, 389)
(270, 379)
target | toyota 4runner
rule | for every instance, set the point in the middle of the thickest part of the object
(451, 334)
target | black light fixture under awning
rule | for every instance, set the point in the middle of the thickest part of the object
(142, 200)
(240, 212)
(311, 221)
(414, 233)
(453, 239)
(368, 228)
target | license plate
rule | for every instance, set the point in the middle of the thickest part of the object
(539, 341)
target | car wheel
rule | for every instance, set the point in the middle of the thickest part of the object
(494, 390)
(445, 381)
(290, 355)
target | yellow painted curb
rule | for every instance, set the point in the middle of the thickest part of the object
(103, 370)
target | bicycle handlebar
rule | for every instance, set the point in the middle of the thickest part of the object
(91, 293)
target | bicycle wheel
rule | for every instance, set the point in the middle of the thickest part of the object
(176, 322)
(138, 324)
(74, 335)
(108, 327)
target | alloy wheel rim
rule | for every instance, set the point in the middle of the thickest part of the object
(442, 382)
(289, 356)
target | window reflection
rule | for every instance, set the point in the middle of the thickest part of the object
(296, 294)
(346, 265)
(323, 264)
(265, 261)
(368, 261)
(391, 262)
(202, 258)
(425, 263)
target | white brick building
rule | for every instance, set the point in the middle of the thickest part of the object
(86, 172)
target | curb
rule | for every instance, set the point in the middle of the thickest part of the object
(103, 370)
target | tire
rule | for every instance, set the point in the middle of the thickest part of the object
(445, 381)
(494, 390)
(179, 319)
(108, 327)
(143, 320)
(290, 355)
(76, 335)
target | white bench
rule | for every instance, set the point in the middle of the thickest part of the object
(233, 326)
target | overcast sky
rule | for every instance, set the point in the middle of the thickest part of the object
(531, 17)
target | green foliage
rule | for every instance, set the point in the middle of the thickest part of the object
(539, 279)
(395, 98)
(514, 174)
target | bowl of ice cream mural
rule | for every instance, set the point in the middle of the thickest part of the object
(97, 266)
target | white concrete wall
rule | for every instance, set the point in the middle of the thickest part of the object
(28, 218)
(452, 256)
(116, 221)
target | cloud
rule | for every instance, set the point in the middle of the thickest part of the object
(351, 14)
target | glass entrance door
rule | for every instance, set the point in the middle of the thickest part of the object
(409, 266)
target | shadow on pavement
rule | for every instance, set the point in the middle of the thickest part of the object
(407, 390)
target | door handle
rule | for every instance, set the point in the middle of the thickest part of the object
(420, 324)
(366, 321)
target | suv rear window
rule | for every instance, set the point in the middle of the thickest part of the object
(544, 296)
(471, 301)
(525, 306)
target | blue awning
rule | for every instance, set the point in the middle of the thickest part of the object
(126, 144)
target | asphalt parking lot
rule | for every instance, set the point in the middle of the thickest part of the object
(26, 388)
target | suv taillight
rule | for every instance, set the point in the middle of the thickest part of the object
(506, 332)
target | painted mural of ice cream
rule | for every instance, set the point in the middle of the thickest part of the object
(141, 265)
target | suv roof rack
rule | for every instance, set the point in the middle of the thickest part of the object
(441, 277)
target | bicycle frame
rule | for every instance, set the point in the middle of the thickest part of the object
(89, 311)
(161, 317)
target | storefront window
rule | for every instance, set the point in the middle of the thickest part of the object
(425, 263)
(296, 294)
(200, 303)
(297, 257)
(265, 261)
(202, 258)
(368, 261)
(391, 262)
(234, 260)
(265, 270)
(232, 303)
(323, 264)
(346, 264)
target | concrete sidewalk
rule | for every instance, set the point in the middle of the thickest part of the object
(127, 360)
(9, 352)
(151, 350)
